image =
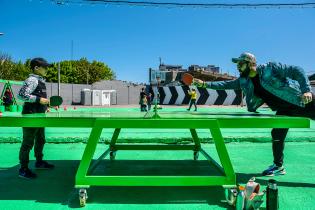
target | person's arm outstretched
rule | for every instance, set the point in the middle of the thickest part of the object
(219, 85)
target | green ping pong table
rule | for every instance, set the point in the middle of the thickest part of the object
(166, 120)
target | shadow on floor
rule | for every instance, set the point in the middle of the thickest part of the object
(56, 186)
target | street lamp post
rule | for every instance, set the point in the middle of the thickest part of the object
(157, 97)
(128, 92)
(87, 76)
(2, 60)
(59, 79)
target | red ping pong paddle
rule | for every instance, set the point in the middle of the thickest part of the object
(187, 79)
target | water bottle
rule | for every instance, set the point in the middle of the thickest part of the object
(82, 197)
(272, 195)
(231, 195)
(240, 199)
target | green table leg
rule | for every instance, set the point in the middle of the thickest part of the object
(88, 155)
(223, 155)
(82, 179)
(112, 146)
(197, 143)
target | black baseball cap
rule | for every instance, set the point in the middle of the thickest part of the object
(40, 62)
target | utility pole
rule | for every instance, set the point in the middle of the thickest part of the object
(128, 86)
(71, 49)
(59, 79)
(87, 76)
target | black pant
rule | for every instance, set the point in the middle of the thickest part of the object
(32, 136)
(279, 134)
(143, 107)
(192, 102)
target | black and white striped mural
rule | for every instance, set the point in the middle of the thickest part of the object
(179, 95)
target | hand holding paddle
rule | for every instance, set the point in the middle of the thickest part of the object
(188, 80)
(53, 101)
(43, 101)
(199, 83)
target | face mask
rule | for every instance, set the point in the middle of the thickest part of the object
(41, 71)
(245, 73)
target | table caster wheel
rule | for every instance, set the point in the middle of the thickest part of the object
(196, 155)
(83, 197)
(112, 155)
(231, 195)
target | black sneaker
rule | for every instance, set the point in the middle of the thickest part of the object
(274, 170)
(43, 165)
(26, 173)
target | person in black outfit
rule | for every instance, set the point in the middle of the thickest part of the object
(33, 93)
(142, 100)
(284, 88)
(279, 134)
(149, 101)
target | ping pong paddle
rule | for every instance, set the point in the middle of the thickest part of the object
(55, 101)
(187, 79)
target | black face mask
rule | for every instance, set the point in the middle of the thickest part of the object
(245, 73)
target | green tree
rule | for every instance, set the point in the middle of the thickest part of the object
(71, 71)
(81, 72)
(6, 66)
(20, 71)
(99, 71)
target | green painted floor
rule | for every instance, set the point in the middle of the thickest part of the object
(250, 153)
(54, 189)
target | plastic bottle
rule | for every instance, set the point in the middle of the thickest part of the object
(272, 195)
(240, 200)
(82, 197)
(231, 195)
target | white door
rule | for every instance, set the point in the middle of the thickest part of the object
(96, 97)
(106, 99)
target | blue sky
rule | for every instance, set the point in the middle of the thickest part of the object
(131, 39)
